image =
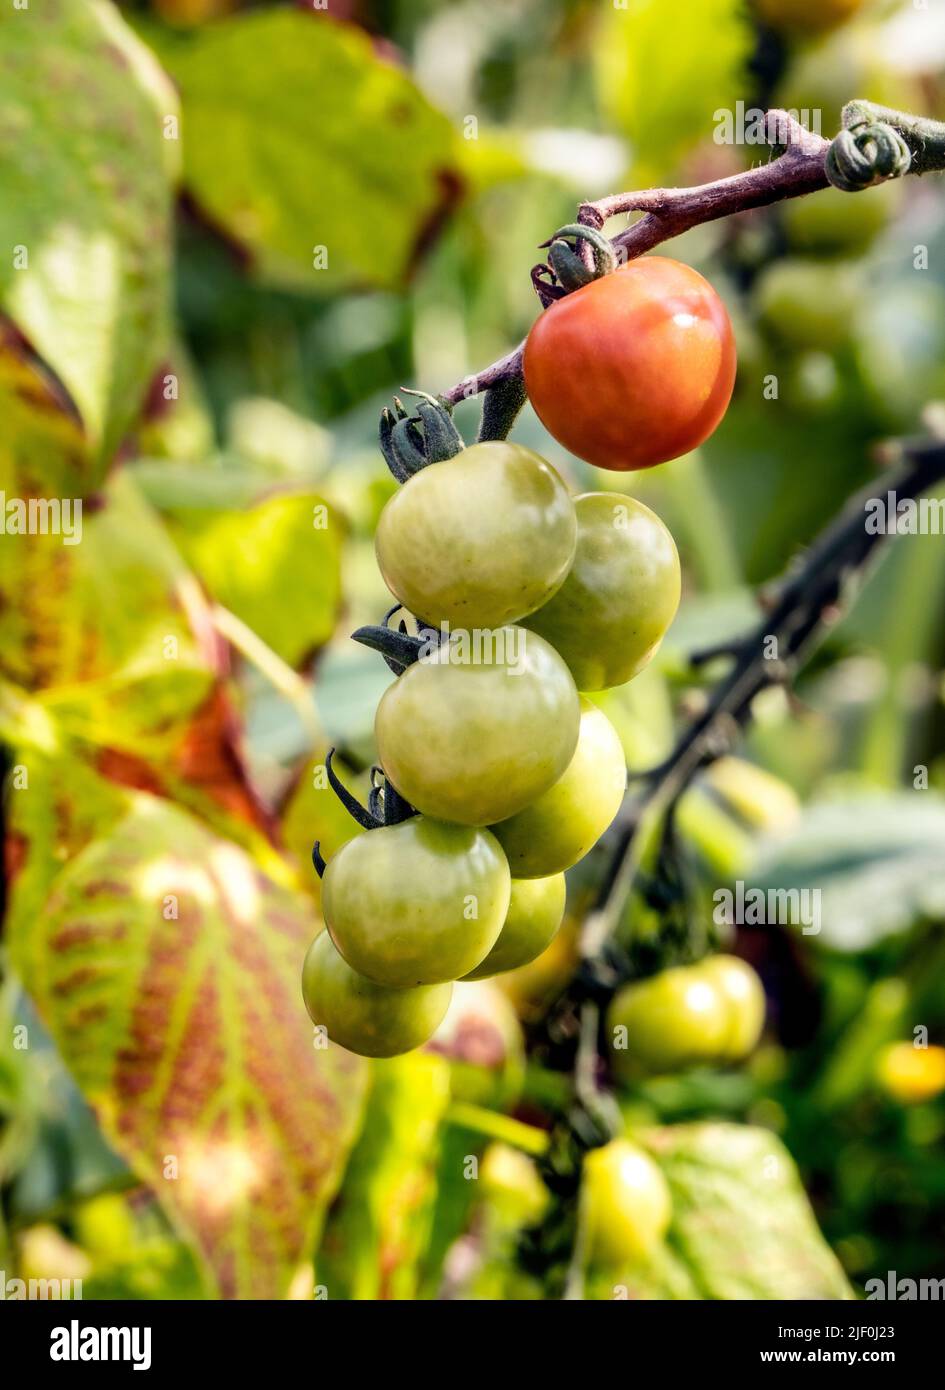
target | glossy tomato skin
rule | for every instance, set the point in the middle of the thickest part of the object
(744, 999)
(417, 903)
(474, 735)
(536, 911)
(362, 1016)
(559, 827)
(478, 540)
(635, 368)
(621, 594)
(626, 1203)
(673, 1020)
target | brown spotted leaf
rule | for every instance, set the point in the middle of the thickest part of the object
(166, 966)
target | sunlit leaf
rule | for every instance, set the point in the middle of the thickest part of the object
(85, 203)
(322, 160)
(166, 967)
(876, 860)
(662, 93)
(741, 1227)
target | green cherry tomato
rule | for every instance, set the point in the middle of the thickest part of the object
(480, 727)
(416, 903)
(626, 1203)
(479, 540)
(536, 910)
(833, 222)
(807, 303)
(559, 827)
(370, 1019)
(673, 1020)
(622, 592)
(744, 999)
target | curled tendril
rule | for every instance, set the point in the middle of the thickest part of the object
(866, 154)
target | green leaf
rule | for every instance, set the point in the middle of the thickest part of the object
(86, 196)
(379, 1226)
(742, 1227)
(876, 859)
(276, 565)
(320, 144)
(166, 967)
(663, 92)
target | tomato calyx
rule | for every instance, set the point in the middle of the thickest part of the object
(577, 254)
(385, 805)
(410, 442)
(397, 646)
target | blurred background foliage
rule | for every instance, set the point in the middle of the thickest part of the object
(246, 226)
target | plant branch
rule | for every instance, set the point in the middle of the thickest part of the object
(799, 168)
(670, 211)
(806, 604)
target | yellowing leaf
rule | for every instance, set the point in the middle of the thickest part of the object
(166, 966)
(85, 203)
(304, 146)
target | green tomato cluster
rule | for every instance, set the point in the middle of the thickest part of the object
(534, 597)
(713, 1011)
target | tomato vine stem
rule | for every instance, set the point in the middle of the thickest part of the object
(800, 167)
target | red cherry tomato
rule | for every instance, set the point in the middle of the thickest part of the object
(635, 368)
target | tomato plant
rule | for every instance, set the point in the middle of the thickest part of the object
(635, 368)
(562, 823)
(474, 736)
(536, 909)
(478, 540)
(621, 594)
(366, 1017)
(627, 1203)
(416, 903)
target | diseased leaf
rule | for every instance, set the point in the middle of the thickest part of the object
(314, 125)
(85, 204)
(877, 861)
(104, 625)
(166, 967)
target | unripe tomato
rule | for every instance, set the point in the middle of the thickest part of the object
(807, 16)
(479, 540)
(536, 910)
(831, 221)
(909, 1074)
(370, 1019)
(510, 1184)
(626, 1203)
(674, 1019)
(621, 594)
(759, 798)
(634, 368)
(808, 304)
(744, 1000)
(416, 903)
(561, 825)
(474, 737)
